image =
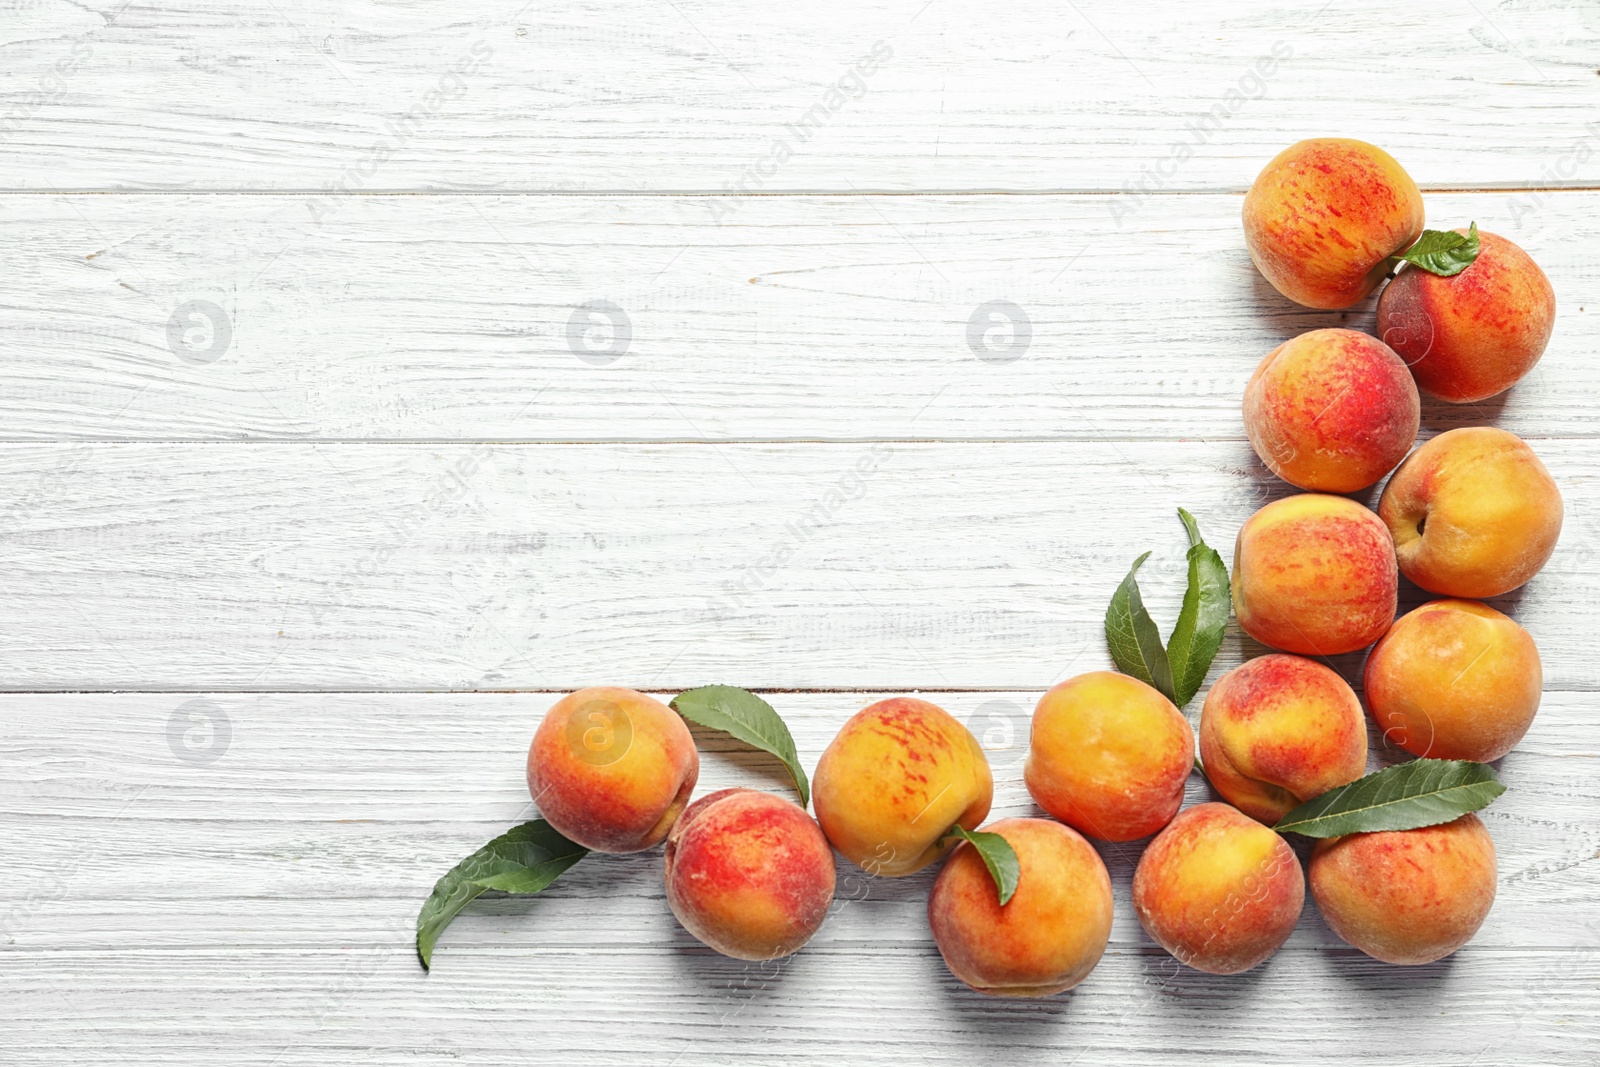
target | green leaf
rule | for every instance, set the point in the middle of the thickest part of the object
(1442, 252)
(1206, 605)
(743, 715)
(997, 855)
(524, 859)
(1135, 642)
(1424, 792)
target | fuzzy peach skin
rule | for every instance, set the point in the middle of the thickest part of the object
(1108, 756)
(1314, 574)
(1406, 896)
(1278, 730)
(1474, 334)
(748, 874)
(1048, 936)
(1218, 890)
(1454, 679)
(611, 768)
(1324, 216)
(1331, 410)
(1473, 513)
(894, 780)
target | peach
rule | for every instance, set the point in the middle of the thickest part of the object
(1473, 513)
(1314, 574)
(1473, 334)
(1323, 218)
(1454, 679)
(1048, 936)
(748, 874)
(1332, 410)
(1406, 896)
(897, 776)
(1108, 756)
(1278, 730)
(611, 768)
(1218, 890)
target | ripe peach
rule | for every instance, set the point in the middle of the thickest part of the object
(1473, 513)
(1048, 936)
(1322, 219)
(749, 874)
(1406, 896)
(1314, 574)
(899, 774)
(1332, 410)
(1473, 334)
(1454, 679)
(611, 768)
(1278, 730)
(1108, 756)
(1218, 890)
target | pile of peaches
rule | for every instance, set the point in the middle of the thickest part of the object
(1470, 514)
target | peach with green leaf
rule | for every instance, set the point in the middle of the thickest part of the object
(894, 780)
(1323, 218)
(1475, 333)
(1278, 730)
(1051, 932)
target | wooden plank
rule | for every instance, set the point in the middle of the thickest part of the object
(712, 95)
(853, 566)
(247, 800)
(685, 1006)
(259, 905)
(223, 317)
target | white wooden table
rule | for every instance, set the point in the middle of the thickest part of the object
(319, 481)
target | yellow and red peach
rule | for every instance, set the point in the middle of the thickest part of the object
(1314, 574)
(1048, 936)
(1108, 756)
(1322, 219)
(748, 874)
(1218, 890)
(1278, 730)
(1331, 410)
(611, 768)
(894, 780)
(1406, 896)
(1474, 334)
(1454, 679)
(1473, 513)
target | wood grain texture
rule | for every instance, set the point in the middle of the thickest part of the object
(802, 318)
(379, 566)
(250, 900)
(701, 94)
(302, 406)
